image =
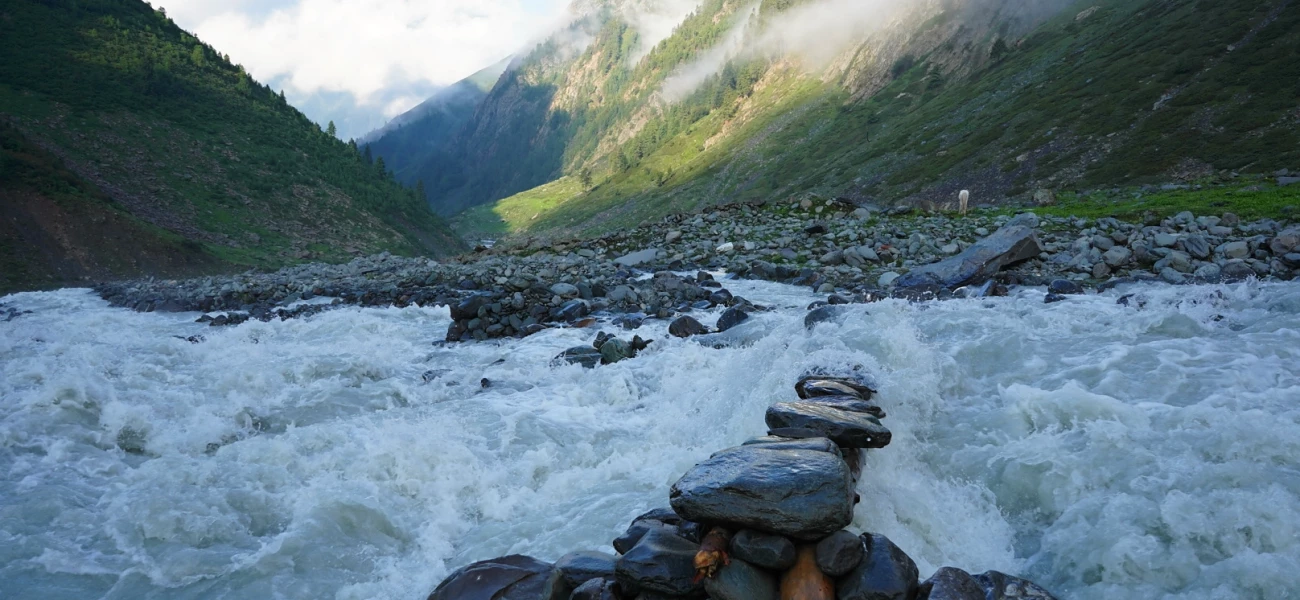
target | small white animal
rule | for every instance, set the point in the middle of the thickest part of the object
(964, 197)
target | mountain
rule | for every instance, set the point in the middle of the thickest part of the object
(129, 147)
(418, 138)
(875, 101)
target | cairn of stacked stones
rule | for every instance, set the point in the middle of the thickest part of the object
(762, 521)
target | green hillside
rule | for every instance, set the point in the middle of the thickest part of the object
(162, 131)
(978, 95)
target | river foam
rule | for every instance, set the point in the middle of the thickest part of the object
(1105, 451)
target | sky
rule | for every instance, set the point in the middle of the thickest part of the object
(361, 62)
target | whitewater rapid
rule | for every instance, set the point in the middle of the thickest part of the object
(1105, 451)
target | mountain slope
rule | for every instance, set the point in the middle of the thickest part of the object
(418, 138)
(913, 104)
(162, 129)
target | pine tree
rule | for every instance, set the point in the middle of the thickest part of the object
(365, 154)
(584, 176)
(420, 191)
(332, 131)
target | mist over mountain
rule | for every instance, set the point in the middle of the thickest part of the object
(878, 101)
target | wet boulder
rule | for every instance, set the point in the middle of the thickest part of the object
(774, 442)
(846, 428)
(581, 355)
(885, 573)
(660, 562)
(1064, 287)
(813, 387)
(825, 314)
(862, 384)
(686, 327)
(804, 494)
(615, 350)
(849, 403)
(469, 307)
(577, 568)
(731, 318)
(1000, 586)
(512, 577)
(951, 584)
(839, 553)
(740, 580)
(983, 259)
(766, 550)
(595, 589)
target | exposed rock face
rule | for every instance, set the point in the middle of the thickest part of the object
(1007, 246)
(803, 494)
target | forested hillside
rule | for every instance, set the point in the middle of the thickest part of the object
(113, 112)
(911, 104)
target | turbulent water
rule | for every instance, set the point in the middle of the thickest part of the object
(1105, 451)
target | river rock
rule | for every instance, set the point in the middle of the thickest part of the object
(469, 307)
(578, 568)
(839, 553)
(815, 387)
(1117, 257)
(766, 550)
(949, 583)
(885, 573)
(1007, 246)
(595, 589)
(1000, 586)
(824, 314)
(573, 310)
(850, 403)
(1235, 250)
(565, 290)
(731, 318)
(512, 577)
(581, 355)
(860, 385)
(846, 428)
(804, 494)
(776, 442)
(615, 350)
(1064, 286)
(636, 258)
(740, 580)
(660, 562)
(1286, 242)
(1197, 246)
(686, 326)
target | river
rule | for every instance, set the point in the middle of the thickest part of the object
(1105, 451)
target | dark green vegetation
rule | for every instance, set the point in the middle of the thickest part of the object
(1093, 95)
(116, 118)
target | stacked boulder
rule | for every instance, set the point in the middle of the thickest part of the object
(762, 521)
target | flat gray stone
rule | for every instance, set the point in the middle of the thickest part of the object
(804, 494)
(1007, 246)
(846, 428)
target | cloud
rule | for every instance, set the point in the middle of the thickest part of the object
(375, 51)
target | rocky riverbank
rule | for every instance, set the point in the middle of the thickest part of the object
(850, 254)
(762, 521)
